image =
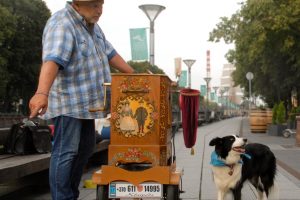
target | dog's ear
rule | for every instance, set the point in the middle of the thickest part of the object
(215, 141)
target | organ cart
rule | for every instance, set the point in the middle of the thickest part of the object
(141, 162)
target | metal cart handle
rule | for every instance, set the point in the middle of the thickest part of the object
(104, 104)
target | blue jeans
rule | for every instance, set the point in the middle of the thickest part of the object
(74, 141)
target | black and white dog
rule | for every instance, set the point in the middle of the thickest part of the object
(234, 161)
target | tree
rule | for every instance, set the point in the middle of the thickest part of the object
(23, 22)
(8, 22)
(265, 34)
(143, 67)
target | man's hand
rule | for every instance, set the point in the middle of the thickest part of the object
(38, 105)
(39, 102)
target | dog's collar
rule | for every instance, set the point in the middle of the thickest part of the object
(246, 155)
(216, 161)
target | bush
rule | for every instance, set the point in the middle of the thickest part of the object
(298, 110)
(274, 113)
(280, 118)
(292, 114)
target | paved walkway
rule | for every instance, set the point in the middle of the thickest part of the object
(288, 161)
(197, 178)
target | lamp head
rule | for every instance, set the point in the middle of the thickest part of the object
(151, 10)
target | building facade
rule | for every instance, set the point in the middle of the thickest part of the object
(233, 95)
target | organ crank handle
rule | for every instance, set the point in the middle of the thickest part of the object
(105, 97)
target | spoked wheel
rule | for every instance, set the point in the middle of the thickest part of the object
(286, 133)
(102, 192)
(171, 192)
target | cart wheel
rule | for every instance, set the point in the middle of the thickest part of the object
(286, 134)
(172, 192)
(102, 192)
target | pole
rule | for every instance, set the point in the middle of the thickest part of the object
(216, 89)
(151, 11)
(249, 76)
(152, 43)
(222, 106)
(227, 104)
(207, 102)
(189, 63)
(207, 91)
(190, 77)
(207, 80)
(250, 99)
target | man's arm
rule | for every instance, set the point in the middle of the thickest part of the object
(39, 102)
(119, 63)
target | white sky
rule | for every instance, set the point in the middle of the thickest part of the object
(181, 30)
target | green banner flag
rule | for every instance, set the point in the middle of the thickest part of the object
(183, 78)
(212, 96)
(203, 90)
(138, 41)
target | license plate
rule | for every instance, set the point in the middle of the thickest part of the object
(128, 190)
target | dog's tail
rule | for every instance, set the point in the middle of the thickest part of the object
(274, 192)
(268, 189)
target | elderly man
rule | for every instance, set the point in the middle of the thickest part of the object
(76, 62)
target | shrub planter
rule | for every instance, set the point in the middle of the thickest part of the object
(276, 129)
(258, 122)
(298, 131)
(291, 124)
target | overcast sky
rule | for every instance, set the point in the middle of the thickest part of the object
(181, 30)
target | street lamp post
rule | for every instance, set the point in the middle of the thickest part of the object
(189, 63)
(226, 89)
(207, 80)
(221, 94)
(216, 89)
(151, 11)
(249, 76)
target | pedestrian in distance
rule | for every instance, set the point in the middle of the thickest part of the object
(76, 62)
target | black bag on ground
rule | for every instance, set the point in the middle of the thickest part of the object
(41, 136)
(28, 139)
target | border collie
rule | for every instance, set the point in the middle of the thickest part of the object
(234, 161)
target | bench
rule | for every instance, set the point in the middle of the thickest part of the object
(3, 134)
(8, 119)
(17, 166)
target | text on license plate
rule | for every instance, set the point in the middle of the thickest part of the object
(128, 190)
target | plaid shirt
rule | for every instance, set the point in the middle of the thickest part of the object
(83, 58)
